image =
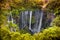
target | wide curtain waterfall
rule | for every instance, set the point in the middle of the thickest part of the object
(26, 20)
(34, 20)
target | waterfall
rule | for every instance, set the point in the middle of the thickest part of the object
(37, 17)
(10, 18)
(27, 16)
(23, 18)
(40, 23)
(30, 20)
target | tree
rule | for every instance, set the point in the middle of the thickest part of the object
(54, 5)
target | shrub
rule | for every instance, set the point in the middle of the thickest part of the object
(13, 26)
(27, 37)
(8, 35)
(4, 34)
(56, 21)
(15, 36)
(52, 33)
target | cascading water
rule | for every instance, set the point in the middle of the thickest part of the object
(26, 20)
(10, 18)
(37, 18)
(40, 23)
(23, 19)
(30, 20)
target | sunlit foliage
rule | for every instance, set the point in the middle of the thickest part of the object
(56, 21)
(51, 33)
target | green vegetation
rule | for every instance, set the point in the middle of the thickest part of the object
(15, 6)
(52, 33)
(56, 21)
